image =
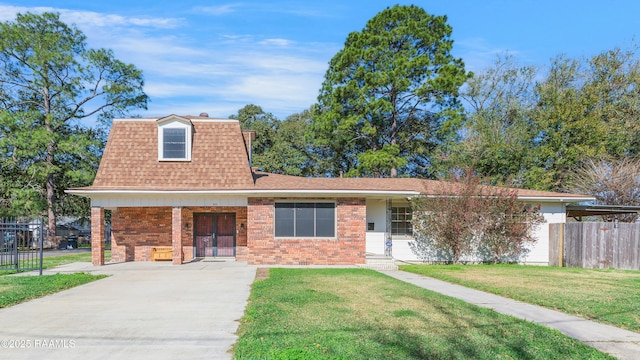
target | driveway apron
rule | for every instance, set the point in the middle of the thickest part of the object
(144, 310)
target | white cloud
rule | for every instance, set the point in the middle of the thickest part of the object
(166, 45)
(276, 42)
(478, 54)
(289, 88)
(281, 62)
(216, 10)
(89, 18)
(219, 73)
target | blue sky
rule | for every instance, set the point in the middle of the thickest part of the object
(217, 56)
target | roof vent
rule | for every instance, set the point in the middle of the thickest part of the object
(204, 114)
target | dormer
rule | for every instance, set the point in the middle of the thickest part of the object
(175, 135)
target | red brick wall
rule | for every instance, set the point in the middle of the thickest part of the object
(136, 230)
(97, 240)
(347, 248)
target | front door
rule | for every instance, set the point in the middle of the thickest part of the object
(215, 234)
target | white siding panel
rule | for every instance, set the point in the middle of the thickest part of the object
(147, 200)
(375, 243)
(377, 214)
(553, 213)
(538, 254)
(402, 251)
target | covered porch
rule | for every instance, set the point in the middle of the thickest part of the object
(189, 232)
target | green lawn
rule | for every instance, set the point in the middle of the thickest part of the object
(17, 289)
(362, 314)
(607, 296)
(53, 261)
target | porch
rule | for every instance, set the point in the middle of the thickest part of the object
(190, 232)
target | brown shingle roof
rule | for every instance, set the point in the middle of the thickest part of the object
(218, 160)
(266, 181)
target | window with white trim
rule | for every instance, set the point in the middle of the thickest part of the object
(401, 221)
(305, 219)
(174, 141)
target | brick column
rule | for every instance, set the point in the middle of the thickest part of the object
(176, 235)
(97, 236)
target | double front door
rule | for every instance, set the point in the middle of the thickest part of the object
(215, 234)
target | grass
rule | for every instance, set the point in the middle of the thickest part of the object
(606, 296)
(17, 289)
(362, 314)
(53, 261)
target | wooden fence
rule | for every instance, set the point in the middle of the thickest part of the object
(596, 245)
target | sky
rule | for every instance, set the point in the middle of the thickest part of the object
(218, 56)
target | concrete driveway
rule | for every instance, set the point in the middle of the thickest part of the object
(144, 310)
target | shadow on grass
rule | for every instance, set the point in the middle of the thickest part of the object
(350, 327)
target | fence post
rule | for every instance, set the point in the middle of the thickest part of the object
(41, 241)
(16, 253)
(561, 245)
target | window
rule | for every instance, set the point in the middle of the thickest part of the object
(305, 219)
(174, 139)
(401, 221)
(174, 143)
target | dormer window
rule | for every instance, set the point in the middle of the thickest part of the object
(174, 139)
(174, 143)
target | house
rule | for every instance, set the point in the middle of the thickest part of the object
(185, 183)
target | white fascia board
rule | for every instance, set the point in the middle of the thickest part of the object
(553, 199)
(301, 193)
(254, 193)
(174, 118)
(556, 199)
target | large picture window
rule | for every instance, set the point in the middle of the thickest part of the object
(401, 221)
(305, 219)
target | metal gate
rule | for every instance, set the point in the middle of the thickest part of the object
(215, 234)
(21, 245)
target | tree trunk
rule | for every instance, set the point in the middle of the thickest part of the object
(49, 161)
(51, 194)
(51, 213)
(393, 172)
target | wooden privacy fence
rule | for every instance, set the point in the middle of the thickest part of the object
(596, 245)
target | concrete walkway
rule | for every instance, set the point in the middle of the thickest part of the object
(620, 343)
(144, 310)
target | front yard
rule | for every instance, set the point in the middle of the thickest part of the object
(17, 289)
(606, 296)
(362, 314)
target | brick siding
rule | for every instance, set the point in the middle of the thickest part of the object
(136, 230)
(347, 248)
(97, 240)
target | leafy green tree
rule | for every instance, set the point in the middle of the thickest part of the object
(291, 153)
(390, 95)
(280, 146)
(612, 88)
(528, 129)
(497, 132)
(568, 128)
(49, 82)
(252, 117)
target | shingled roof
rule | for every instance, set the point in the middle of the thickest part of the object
(220, 163)
(218, 160)
(274, 182)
